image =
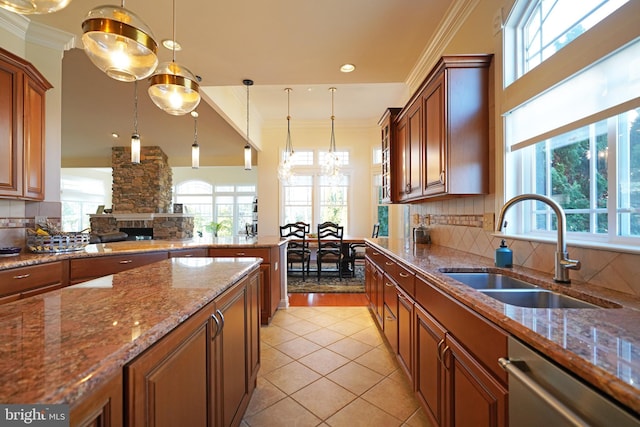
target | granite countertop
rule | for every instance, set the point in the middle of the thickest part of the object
(59, 346)
(600, 345)
(26, 258)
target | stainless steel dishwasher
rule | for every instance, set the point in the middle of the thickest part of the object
(543, 394)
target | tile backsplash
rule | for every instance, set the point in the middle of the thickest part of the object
(16, 216)
(458, 224)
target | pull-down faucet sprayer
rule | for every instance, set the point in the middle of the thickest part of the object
(562, 263)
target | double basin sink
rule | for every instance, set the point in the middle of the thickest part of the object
(510, 290)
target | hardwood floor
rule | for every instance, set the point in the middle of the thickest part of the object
(328, 300)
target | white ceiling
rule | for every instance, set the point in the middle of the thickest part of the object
(276, 43)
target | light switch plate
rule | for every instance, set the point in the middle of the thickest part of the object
(488, 221)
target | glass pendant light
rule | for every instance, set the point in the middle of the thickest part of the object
(34, 7)
(119, 43)
(195, 148)
(331, 164)
(135, 137)
(173, 88)
(247, 147)
(284, 168)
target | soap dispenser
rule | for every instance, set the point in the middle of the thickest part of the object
(504, 256)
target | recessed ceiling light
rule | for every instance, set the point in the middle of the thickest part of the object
(169, 44)
(115, 135)
(347, 68)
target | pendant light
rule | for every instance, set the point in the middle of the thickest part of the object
(135, 137)
(195, 148)
(173, 88)
(331, 166)
(34, 7)
(119, 43)
(284, 168)
(247, 147)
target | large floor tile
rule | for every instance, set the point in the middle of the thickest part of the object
(323, 398)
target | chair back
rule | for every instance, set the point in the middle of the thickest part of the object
(296, 231)
(330, 235)
(376, 229)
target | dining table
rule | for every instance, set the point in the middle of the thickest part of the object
(345, 267)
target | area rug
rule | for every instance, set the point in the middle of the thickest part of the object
(327, 284)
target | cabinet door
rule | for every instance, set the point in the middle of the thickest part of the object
(414, 150)
(102, 408)
(34, 147)
(435, 144)
(405, 332)
(253, 317)
(10, 146)
(231, 364)
(429, 371)
(168, 384)
(390, 312)
(474, 397)
(401, 160)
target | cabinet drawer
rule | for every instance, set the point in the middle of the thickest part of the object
(405, 279)
(17, 280)
(241, 252)
(90, 268)
(197, 252)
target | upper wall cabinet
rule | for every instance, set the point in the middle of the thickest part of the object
(441, 140)
(22, 128)
(387, 135)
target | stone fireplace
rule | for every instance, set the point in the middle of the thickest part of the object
(142, 198)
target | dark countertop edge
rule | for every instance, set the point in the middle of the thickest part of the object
(599, 378)
(112, 365)
(26, 258)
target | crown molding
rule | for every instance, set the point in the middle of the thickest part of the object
(49, 37)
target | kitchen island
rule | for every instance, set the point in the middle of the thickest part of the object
(29, 273)
(67, 346)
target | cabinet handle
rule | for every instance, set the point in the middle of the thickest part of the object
(388, 284)
(442, 177)
(376, 253)
(388, 263)
(444, 360)
(438, 351)
(221, 319)
(403, 274)
(22, 276)
(240, 253)
(215, 319)
(126, 261)
(407, 189)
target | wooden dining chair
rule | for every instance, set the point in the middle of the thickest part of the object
(357, 250)
(330, 246)
(298, 247)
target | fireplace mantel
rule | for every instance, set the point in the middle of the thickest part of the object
(164, 225)
(131, 216)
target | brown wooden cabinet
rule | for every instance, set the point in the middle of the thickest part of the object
(23, 282)
(22, 128)
(442, 134)
(83, 269)
(203, 372)
(104, 408)
(270, 284)
(387, 135)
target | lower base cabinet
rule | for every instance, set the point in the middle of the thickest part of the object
(102, 408)
(204, 372)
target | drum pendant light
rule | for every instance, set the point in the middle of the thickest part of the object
(284, 168)
(119, 43)
(247, 147)
(34, 7)
(173, 88)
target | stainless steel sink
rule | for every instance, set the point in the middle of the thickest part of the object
(481, 280)
(536, 298)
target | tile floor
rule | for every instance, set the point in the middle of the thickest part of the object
(329, 366)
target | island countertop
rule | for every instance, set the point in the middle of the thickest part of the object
(26, 258)
(59, 346)
(602, 345)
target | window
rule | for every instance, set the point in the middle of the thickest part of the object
(228, 206)
(577, 141)
(543, 27)
(382, 209)
(311, 197)
(80, 197)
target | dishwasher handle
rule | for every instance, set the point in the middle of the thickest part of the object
(566, 412)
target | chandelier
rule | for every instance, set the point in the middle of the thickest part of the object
(284, 168)
(34, 7)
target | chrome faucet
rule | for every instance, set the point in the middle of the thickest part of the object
(563, 263)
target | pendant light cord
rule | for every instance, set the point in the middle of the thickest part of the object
(174, 32)
(332, 145)
(195, 129)
(288, 146)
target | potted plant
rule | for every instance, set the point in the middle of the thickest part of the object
(215, 227)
